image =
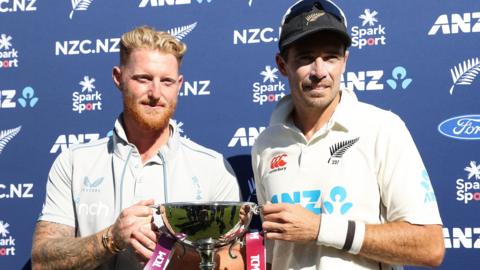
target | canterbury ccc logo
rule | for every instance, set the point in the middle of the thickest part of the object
(278, 162)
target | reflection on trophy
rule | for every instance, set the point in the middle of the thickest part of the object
(207, 226)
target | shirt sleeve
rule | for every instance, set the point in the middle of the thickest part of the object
(405, 187)
(58, 206)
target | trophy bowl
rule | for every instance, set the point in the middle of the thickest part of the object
(207, 226)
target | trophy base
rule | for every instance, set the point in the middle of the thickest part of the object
(207, 259)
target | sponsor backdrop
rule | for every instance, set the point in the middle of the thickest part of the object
(416, 58)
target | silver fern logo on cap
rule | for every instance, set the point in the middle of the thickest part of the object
(465, 73)
(314, 16)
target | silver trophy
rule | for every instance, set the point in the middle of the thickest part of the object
(207, 226)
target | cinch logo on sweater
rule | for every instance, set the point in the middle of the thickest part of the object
(338, 150)
(278, 163)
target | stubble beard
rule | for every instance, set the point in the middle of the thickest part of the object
(149, 119)
(313, 99)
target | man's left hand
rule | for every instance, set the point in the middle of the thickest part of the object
(290, 222)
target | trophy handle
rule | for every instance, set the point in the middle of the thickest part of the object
(230, 250)
(256, 209)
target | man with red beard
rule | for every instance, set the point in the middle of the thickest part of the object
(97, 213)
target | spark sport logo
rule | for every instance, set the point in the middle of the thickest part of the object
(87, 100)
(7, 242)
(371, 33)
(164, 3)
(270, 89)
(8, 54)
(468, 190)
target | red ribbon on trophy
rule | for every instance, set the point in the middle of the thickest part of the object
(255, 251)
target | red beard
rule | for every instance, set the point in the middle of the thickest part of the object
(146, 117)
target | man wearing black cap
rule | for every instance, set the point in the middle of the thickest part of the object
(341, 182)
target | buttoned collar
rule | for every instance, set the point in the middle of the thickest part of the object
(342, 118)
(122, 147)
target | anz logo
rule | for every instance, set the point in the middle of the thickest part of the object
(465, 238)
(373, 80)
(449, 24)
(245, 136)
(64, 141)
(312, 200)
(161, 3)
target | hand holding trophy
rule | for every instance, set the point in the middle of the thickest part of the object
(205, 227)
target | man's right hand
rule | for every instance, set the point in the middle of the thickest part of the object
(134, 228)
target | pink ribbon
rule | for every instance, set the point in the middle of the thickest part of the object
(255, 251)
(162, 254)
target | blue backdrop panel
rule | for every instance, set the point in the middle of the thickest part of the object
(416, 58)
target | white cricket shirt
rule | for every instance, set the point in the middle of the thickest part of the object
(362, 165)
(89, 184)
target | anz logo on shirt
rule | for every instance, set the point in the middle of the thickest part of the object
(336, 202)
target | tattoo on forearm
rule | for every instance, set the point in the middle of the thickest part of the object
(56, 247)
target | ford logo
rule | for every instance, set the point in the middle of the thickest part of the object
(466, 127)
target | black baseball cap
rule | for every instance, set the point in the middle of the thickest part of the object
(306, 17)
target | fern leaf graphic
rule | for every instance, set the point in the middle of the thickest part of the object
(79, 5)
(339, 149)
(7, 135)
(465, 72)
(181, 32)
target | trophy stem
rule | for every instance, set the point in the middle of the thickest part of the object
(207, 259)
